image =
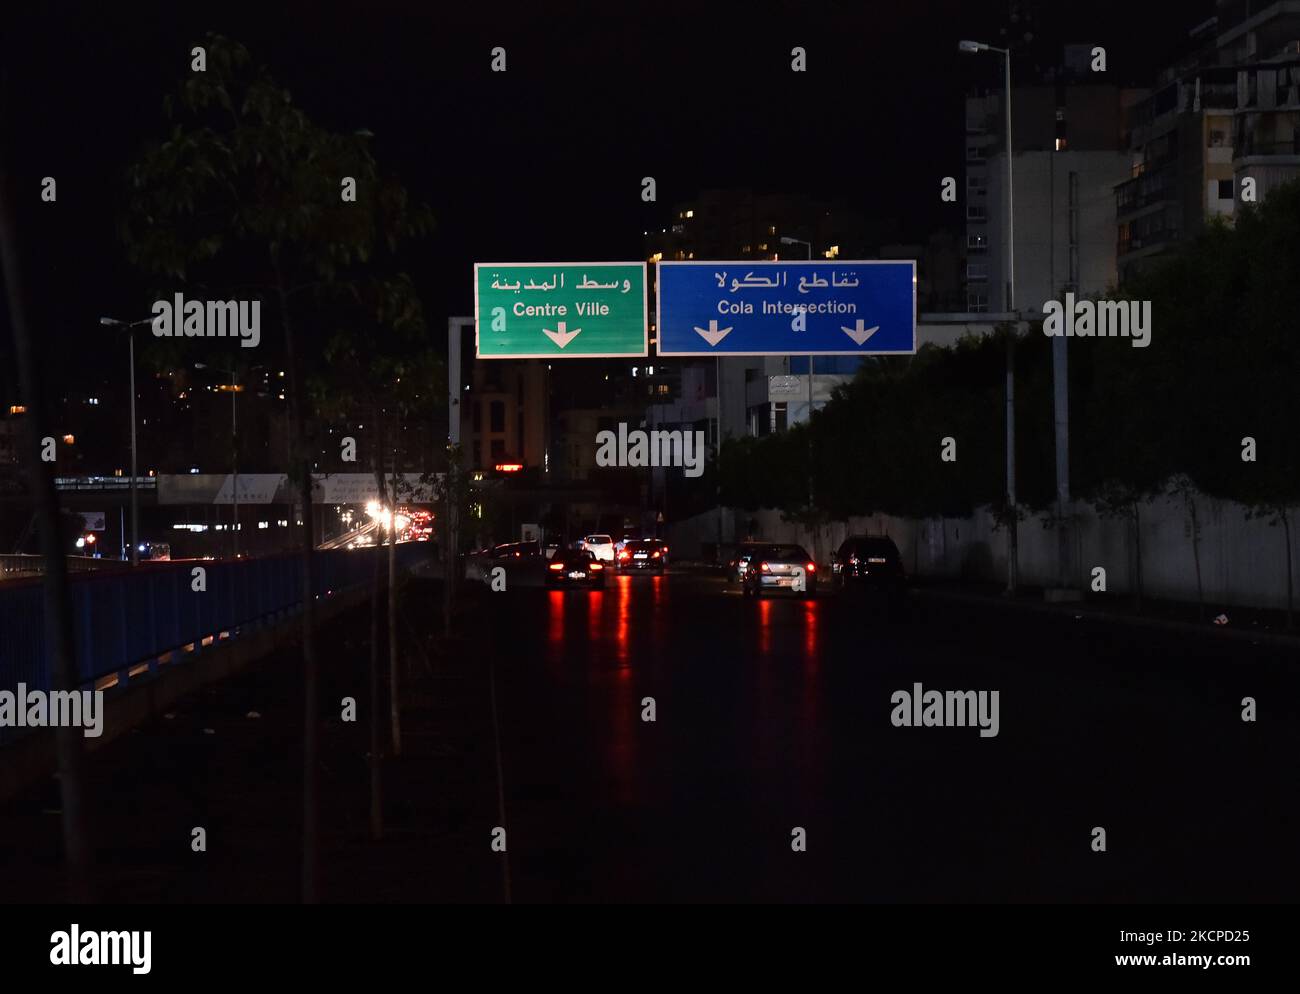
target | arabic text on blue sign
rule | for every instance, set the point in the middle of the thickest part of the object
(835, 307)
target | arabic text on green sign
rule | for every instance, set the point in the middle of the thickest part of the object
(560, 309)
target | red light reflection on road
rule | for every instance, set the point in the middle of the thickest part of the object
(811, 609)
(764, 626)
(595, 609)
(555, 618)
(620, 631)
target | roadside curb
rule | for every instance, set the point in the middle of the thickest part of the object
(1090, 613)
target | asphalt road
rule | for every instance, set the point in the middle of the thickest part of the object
(776, 715)
(770, 716)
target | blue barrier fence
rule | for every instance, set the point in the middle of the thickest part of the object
(131, 616)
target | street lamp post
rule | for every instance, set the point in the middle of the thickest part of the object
(129, 327)
(972, 47)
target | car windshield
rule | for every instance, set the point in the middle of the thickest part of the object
(785, 553)
(599, 540)
(874, 547)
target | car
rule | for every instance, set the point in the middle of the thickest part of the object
(780, 567)
(869, 562)
(515, 550)
(600, 546)
(740, 561)
(647, 554)
(575, 568)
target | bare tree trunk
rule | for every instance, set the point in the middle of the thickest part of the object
(311, 720)
(376, 588)
(1286, 528)
(449, 559)
(1196, 556)
(1137, 551)
(60, 644)
(394, 698)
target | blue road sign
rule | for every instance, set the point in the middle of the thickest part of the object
(832, 307)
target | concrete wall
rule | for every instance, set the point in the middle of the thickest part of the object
(1243, 561)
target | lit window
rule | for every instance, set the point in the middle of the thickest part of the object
(656, 257)
(690, 213)
(771, 229)
(69, 439)
(1060, 144)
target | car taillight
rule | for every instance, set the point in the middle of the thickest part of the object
(624, 555)
(654, 555)
(596, 566)
(812, 567)
(765, 568)
(557, 566)
(853, 560)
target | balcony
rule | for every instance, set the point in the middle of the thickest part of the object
(1153, 187)
(1250, 148)
(1148, 241)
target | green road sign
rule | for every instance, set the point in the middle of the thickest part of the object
(558, 309)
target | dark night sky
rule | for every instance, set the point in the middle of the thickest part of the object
(543, 161)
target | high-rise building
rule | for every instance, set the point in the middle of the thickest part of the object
(1225, 113)
(1067, 143)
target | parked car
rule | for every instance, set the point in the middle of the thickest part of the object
(869, 562)
(600, 546)
(640, 555)
(516, 550)
(780, 567)
(575, 568)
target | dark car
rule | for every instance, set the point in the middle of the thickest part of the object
(516, 550)
(575, 568)
(871, 562)
(780, 567)
(642, 555)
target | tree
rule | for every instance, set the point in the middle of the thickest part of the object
(69, 742)
(245, 197)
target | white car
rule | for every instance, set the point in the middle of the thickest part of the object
(600, 546)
